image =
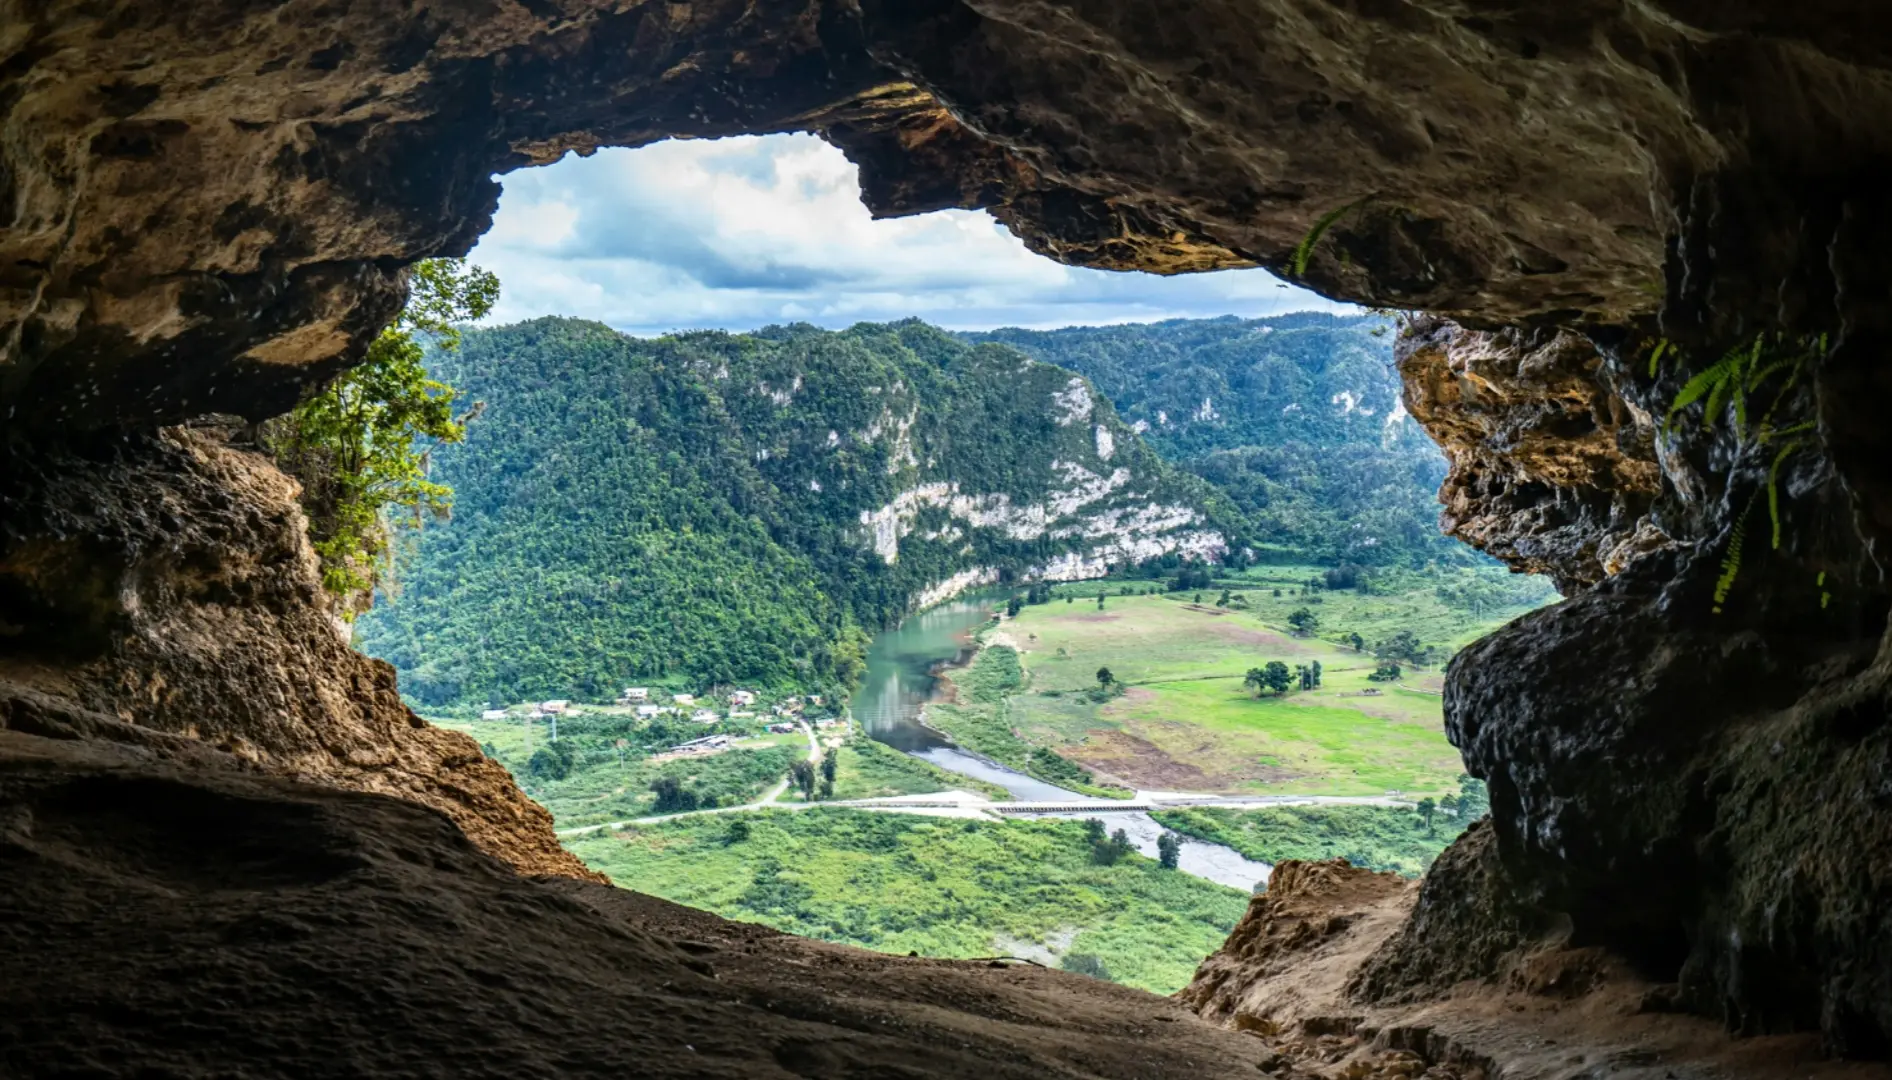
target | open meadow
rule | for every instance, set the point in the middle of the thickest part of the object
(1179, 714)
(938, 887)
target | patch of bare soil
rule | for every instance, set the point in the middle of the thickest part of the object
(1281, 643)
(1284, 977)
(1137, 762)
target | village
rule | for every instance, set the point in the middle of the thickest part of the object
(741, 712)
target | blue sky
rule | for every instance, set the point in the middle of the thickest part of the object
(740, 233)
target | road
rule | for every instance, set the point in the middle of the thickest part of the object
(967, 804)
(763, 801)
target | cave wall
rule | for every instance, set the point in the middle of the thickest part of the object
(208, 208)
(163, 586)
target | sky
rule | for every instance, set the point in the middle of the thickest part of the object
(739, 233)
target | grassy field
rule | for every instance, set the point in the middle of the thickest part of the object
(607, 783)
(1183, 720)
(865, 769)
(1377, 837)
(899, 883)
(979, 718)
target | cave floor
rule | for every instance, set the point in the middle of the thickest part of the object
(160, 918)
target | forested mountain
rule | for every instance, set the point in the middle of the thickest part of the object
(713, 508)
(1297, 418)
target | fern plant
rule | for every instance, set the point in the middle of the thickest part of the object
(1304, 250)
(1731, 387)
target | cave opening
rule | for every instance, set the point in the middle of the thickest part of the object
(1608, 211)
(542, 658)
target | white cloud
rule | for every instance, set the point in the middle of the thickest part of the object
(739, 233)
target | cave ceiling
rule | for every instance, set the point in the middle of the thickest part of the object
(210, 205)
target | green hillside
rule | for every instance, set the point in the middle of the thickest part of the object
(1296, 418)
(715, 508)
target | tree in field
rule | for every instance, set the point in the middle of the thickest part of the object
(1387, 671)
(828, 765)
(1222, 601)
(1403, 645)
(1278, 677)
(1198, 599)
(1474, 801)
(1168, 851)
(672, 796)
(1100, 601)
(1304, 676)
(1110, 852)
(1358, 642)
(1314, 669)
(360, 444)
(738, 832)
(1105, 679)
(1070, 599)
(1255, 680)
(804, 777)
(1086, 964)
(1304, 622)
(1428, 806)
(1093, 830)
(1013, 606)
(1449, 804)
(827, 789)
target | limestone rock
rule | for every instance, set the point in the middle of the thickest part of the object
(1552, 470)
(165, 585)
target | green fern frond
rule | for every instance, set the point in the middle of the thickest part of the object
(1305, 249)
(1710, 380)
(1773, 487)
(1730, 564)
(1655, 355)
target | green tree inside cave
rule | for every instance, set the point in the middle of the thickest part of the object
(360, 444)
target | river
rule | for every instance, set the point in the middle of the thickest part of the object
(901, 678)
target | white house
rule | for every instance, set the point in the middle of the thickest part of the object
(646, 712)
(559, 706)
(781, 729)
(637, 693)
(814, 699)
(683, 699)
(493, 714)
(742, 697)
(704, 716)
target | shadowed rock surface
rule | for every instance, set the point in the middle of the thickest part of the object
(203, 924)
(165, 584)
(209, 207)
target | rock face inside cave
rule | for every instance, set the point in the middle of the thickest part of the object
(208, 208)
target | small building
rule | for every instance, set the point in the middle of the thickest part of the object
(493, 714)
(704, 716)
(826, 723)
(557, 707)
(537, 715)
(634, 694)
(742, 697)
(735, 715)
(782, 729)
(648, 712)
(814, 699)
(683, 699)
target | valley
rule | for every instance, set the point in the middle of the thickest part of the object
(914, 641)
(848, 863)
